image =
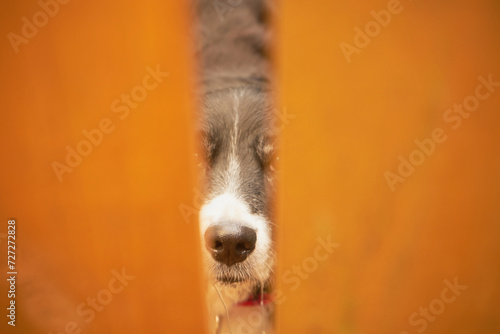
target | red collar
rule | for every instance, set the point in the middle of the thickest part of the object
(257, 299)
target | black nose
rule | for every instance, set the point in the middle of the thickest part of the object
(230, 244)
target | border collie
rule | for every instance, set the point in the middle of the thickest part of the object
(238, 146)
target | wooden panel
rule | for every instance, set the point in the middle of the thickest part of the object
(114, 211)
(395, 249)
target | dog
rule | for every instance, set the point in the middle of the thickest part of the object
(238, 145)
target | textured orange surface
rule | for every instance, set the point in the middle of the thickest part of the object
(119, 207)
(352, 122)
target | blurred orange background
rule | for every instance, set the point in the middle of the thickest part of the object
(119, 207)
(130, 204)
(352, 121)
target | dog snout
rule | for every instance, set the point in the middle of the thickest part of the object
(230, 244)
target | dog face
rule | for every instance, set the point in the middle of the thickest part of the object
(235, 218)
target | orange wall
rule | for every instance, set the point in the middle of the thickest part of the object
(352, 121)
(119, 207)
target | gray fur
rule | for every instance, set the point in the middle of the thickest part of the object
(235, 72)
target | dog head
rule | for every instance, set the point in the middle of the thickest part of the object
(235, 218)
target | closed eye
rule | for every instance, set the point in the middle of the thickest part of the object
(211, 146)
(265, 151)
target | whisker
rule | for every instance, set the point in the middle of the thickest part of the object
(225, 307)
(262, 305)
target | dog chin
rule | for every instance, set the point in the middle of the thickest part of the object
(230, 285)
(250, 273)
(229, 276)
(230, 280)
